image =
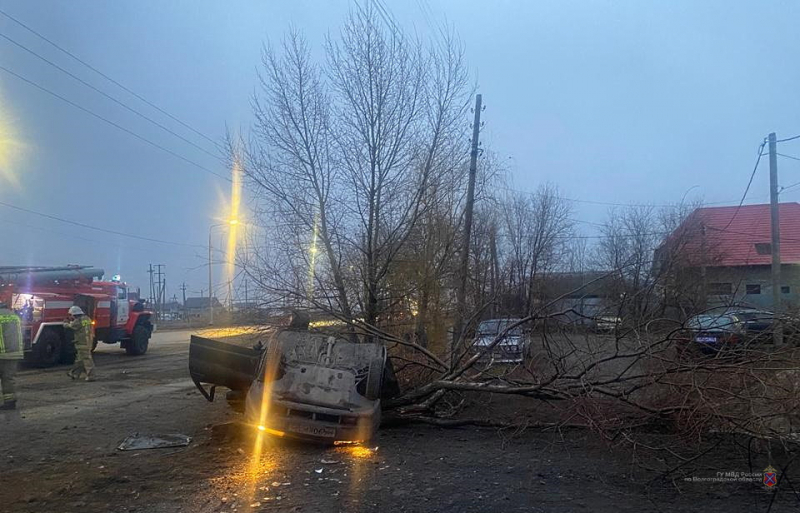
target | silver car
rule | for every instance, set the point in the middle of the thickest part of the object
(513, 346)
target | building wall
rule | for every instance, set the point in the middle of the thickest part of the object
(752, 285)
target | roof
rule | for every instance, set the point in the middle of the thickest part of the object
(200, 302)
(728, 236)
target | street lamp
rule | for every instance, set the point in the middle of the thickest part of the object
(230, 222)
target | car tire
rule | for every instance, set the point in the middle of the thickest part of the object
(374, 384)
(140, 340)
(47, 351)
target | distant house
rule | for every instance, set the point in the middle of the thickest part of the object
(727, 251)
(579, 295)
(197, 306)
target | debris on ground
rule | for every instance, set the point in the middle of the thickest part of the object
(137, 442)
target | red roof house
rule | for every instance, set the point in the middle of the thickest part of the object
(739, 236)
(727, 253)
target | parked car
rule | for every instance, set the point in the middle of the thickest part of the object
(759, 324)
(756, 322)
(712, 332)
(513, 347)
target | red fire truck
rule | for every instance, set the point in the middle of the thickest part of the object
(41, 297)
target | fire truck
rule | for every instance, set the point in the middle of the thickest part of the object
(41, 296)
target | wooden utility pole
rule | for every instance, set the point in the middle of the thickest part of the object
(777, 332)
(183, 305)
(461, 293)
(152, 290)
(210, 286)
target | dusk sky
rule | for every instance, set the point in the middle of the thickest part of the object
(613, 102)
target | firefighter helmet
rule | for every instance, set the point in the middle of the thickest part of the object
(75, 310)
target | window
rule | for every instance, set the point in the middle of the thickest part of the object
(763, 248)
(753, 289)
(786, 289)
(122, 293)
(720, 289)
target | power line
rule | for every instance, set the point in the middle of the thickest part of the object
(78, 59)
(112, 123)
(789, 186)
(16, 224)
(607, 203)
(115, 100)
(749, 182)
(792, 138)
(96, 228)
(787, 156)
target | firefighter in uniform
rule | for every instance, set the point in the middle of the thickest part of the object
(81, 326)
(10, 354)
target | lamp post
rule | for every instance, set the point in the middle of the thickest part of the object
(230, 222)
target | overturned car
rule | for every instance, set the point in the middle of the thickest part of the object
(299, 384)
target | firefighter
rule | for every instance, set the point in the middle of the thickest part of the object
(81, 326)
(10, 354)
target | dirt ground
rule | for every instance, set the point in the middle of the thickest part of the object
(58, 454)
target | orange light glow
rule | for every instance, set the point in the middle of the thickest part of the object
(11, 149)
(271, 431)
(94, 322)
(348, 442)
(359, 451)
(233, 223)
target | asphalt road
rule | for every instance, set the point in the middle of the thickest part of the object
(58, 453)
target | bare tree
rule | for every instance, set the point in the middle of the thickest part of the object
(537, 228)
(347, 158)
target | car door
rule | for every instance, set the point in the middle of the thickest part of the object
(122, 307)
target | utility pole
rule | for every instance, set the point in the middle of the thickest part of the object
(777, 332)
(183, 305)
(210, 294)
(461, 293)
(152, 292)
(160, 289)
(246, 304)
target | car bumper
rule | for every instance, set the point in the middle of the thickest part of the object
(501, 356)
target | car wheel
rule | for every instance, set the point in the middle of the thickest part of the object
(140, 340)
(374, 379)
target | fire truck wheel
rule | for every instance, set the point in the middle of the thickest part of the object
(139, 341)
(47, 351)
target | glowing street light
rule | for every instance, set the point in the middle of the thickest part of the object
(231, 222)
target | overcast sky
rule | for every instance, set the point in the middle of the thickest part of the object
(618, 102)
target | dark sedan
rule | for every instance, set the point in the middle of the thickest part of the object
(712, 332)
